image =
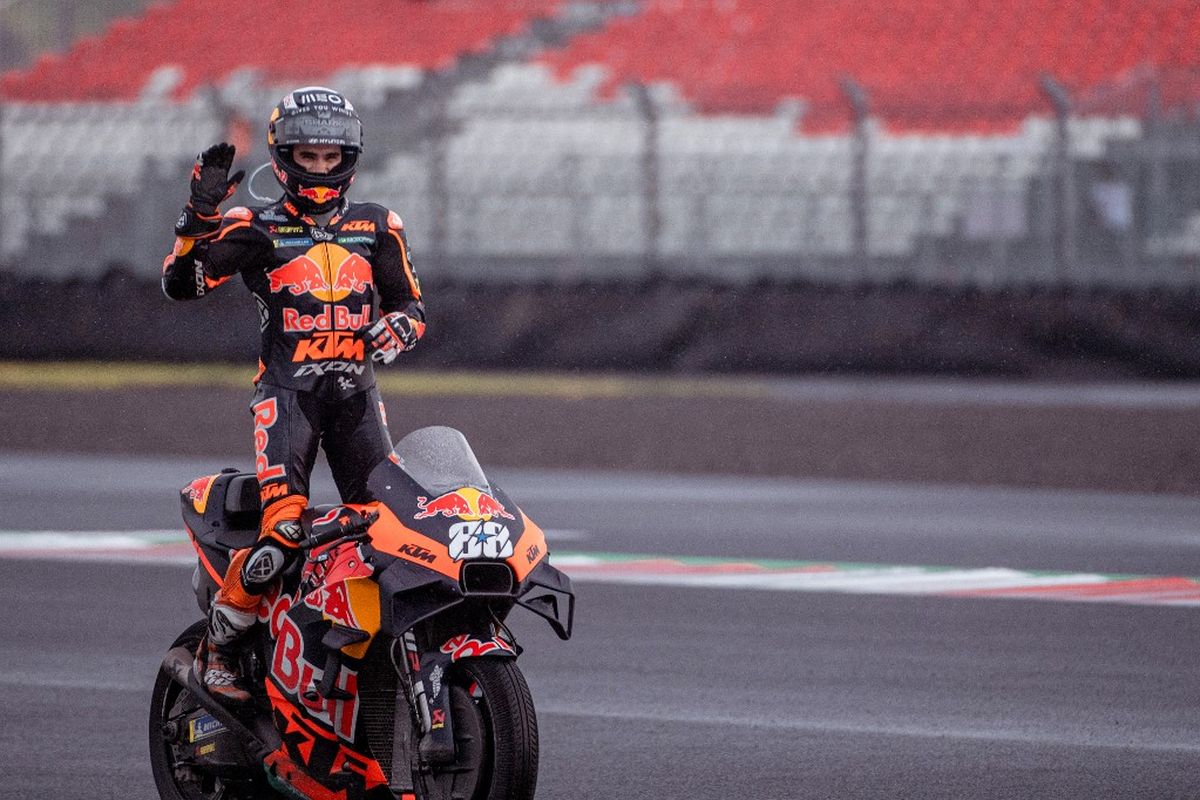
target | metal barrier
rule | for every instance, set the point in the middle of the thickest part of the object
(519, 177)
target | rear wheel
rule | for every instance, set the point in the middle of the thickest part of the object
(495, 736)
(171, 706)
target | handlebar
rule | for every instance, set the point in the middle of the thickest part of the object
(349, 533)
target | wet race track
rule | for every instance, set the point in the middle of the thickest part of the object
(914, 641)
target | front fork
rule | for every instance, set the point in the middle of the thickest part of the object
(428, 673)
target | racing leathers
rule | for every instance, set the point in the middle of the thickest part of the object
(318, 287)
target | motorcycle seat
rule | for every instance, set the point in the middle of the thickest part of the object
(241, 495)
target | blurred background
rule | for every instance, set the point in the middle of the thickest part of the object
(731, 295)
(970, 188)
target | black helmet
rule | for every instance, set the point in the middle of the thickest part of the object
(314, 115)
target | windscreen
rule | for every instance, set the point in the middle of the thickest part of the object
(439, 459)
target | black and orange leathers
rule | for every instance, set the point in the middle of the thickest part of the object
(316, 286)
(289, 425)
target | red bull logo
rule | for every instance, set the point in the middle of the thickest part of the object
(329, 272)
(197, 492)
(320, 194)
(465, 503)
(353, 275)
(331, 318)
(301, 274)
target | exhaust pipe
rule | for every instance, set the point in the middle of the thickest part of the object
(178, 665)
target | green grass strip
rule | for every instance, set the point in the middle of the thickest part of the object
(89, 376)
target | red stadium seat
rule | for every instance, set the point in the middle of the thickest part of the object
(210, 41)
(937, 64)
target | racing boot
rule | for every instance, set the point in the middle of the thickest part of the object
(220, 673)
(250, 573)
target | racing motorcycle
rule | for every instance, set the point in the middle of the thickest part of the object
(381, 667)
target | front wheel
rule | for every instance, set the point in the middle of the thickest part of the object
(495, 735)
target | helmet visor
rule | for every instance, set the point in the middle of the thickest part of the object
(337, 127)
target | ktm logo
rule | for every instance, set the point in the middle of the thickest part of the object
(271, 492)
(364, 225)
(330, 344)
(417, 552)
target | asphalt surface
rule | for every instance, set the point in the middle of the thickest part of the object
(1119, 438)
(697, 692)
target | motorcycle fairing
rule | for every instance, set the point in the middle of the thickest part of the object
(548, 594)
(412, 594)
(325, 752)
(316, 763)
(338, 582)
(406, 530)
(221, 513)
(430, 579)
(390, 535)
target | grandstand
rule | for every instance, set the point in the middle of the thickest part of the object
(939, 65)
(926, 141)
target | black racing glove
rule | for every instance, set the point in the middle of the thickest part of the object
(338, 522)
(211, 185)
(391, 335)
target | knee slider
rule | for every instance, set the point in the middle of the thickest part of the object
(266, 562)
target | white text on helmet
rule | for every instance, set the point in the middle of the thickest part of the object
(320, 97)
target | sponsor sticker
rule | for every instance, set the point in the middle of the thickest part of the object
(197, 492)
(417, 552)
(435, 681)
(329, 344)
(203, 727)
(466, 503)
(331, 318)
(326, 367)
(293, 673)
(293, 242)
(328, 272)
(266, 413)
(320, 194)
(319, 97)
(463, 646)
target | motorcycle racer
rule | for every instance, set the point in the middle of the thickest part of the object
(336, 291)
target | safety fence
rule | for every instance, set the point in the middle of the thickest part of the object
(523, 175)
